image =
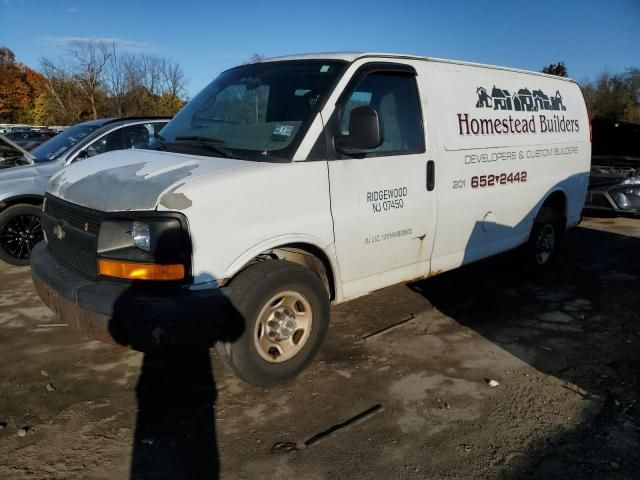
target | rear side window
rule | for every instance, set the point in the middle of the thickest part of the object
(130, 136)
(111, 141)
(138, 136)
(395, 97)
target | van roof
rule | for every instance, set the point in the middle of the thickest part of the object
(353, 56)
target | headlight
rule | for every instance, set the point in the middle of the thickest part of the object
(631, 181)
(141, 235)
(627, 198)
(144, 247)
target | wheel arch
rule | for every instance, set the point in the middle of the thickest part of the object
(557, 201)
(31, 199)
(303, 252)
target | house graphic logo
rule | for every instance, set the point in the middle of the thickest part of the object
(523, 100)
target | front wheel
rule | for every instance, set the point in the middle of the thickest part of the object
(284, 311)
(20, 230)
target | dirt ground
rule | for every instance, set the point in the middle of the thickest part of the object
(400, 389)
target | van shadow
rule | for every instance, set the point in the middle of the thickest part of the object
(175, 434)
(578, 323)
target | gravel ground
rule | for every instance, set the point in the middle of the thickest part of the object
(401, 389)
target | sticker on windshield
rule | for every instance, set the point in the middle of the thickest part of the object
(283, 130)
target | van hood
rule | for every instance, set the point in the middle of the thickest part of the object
(128, 180)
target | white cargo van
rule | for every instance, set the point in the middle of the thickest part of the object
(301, 181)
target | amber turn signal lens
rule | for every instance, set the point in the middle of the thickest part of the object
(140, 271)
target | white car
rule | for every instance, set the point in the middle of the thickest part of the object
(24, 178)
(297, 182)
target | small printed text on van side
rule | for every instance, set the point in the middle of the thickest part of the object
(387, 200)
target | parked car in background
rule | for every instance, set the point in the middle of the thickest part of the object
(12, 154)
(28, 139)
(49, 132)
(614, 183)
(7, 128)
(24, 177)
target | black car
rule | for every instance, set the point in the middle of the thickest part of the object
(614, 183)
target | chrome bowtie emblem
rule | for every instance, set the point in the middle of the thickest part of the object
(59, 232)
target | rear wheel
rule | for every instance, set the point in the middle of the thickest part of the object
(545, 240)
(284, 308)
(20, 230)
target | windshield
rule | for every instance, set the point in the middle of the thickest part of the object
(52, 149)
(254, 111)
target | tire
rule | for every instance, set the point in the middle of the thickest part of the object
(275, 300)
(20, 230)
(545, 240)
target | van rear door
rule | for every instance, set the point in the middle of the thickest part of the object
(383, 210)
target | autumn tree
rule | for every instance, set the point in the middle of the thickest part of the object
(19, 87)
(559, 69)
(119, 79)
(88, 64)
(614, 96)
(62, 103)
(96, 79)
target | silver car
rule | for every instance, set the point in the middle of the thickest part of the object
(24, 175)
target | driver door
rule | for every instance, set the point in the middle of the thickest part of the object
(383, 211)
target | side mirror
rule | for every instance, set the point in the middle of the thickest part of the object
(82, 154)
(365, 132)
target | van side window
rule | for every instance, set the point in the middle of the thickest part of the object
(395, 97)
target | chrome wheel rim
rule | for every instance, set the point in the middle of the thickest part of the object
(283, 326)
(545, 244)
(20, 234)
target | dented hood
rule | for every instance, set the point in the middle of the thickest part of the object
(135, 179)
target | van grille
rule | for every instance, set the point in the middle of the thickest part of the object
(83, 262)
(72, 235)
(73, 214)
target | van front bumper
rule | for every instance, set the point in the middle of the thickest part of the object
(143, 317)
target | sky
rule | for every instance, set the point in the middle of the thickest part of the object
(207, 37)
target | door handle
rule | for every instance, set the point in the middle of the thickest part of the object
(431, 175)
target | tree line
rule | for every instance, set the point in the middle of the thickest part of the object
(614, 96)
(611, 96)
(96, 79)
(93, 79)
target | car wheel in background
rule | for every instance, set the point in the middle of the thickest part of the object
(20, 230)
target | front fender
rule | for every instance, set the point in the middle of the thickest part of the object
(281, 240)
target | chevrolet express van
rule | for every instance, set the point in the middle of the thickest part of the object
(298, 182)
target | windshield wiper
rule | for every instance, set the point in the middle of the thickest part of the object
(207, 142)
(198, 138)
